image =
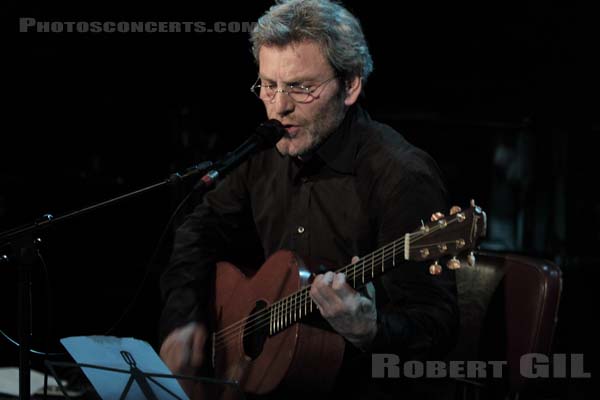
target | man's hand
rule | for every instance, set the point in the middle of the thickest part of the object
(349, 313)
(183, 351)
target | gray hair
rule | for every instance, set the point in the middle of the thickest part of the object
(323, 21)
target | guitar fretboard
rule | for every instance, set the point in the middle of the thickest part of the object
(298, 305)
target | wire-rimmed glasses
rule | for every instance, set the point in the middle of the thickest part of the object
(298, 93)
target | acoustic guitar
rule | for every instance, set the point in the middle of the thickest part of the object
(261, 339)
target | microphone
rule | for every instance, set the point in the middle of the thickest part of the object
(266, 135)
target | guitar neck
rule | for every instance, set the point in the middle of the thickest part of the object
(374, 264)
(452, 235)
(296, 306)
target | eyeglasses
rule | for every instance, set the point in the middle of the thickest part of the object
(298, 93)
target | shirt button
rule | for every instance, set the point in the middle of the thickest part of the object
(300, 229)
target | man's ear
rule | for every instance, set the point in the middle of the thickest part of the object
(353, 88)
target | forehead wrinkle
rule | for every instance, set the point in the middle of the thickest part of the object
(292, 63)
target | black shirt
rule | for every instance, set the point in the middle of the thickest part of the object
(364, 187)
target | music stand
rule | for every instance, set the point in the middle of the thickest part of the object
(143, 379)
(22, 250)
(100, 357)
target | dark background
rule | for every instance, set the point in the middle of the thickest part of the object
(490, 90)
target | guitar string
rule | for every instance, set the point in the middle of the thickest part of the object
(285, 321)
(350, 266)
(279, 302)
(222, 340)
(285, 316)
(233, 330)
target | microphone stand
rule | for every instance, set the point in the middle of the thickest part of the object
(23, 242)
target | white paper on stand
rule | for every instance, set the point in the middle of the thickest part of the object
(105, 351)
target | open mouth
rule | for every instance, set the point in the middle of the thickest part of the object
(292, 130)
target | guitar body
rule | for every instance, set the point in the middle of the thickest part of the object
(258, 340)
(300, 356)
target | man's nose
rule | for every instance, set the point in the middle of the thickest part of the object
(282, 103)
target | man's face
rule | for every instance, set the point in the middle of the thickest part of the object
(307, 124)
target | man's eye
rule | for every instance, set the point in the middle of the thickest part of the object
(298, 88)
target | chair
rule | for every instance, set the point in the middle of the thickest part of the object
(508, 306)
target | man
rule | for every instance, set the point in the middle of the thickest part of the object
(337, 185)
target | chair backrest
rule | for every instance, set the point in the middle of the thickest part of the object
(508, 306)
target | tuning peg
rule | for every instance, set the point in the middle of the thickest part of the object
(435, 268)
(455, 209)
(471, 259)
(436, 216)
(453, 264)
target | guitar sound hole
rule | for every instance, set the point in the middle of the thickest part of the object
(255, 332)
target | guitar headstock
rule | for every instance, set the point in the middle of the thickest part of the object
(457, 233)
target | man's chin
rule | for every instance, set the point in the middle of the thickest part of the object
(290, 147)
